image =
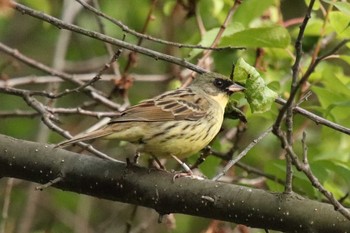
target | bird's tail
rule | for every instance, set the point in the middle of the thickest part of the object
(85, 137)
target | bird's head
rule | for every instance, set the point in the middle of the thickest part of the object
(218, 87)
(216, 84)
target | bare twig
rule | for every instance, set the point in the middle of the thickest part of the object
(303, 141)
(18, 113)
(94, 79)
(221, 31)
(132, 58)
(317, 119)
(321, 35)
(148, 37)
(295, 68)
(304, 78)
(108, 46)
(48, 184)
(81, 77)
(151, 53)
(217, 39)
(288, 107)
(305, 168)
(69, 111)
(92, 92)
(242, 154)
(47, 118)
(258, 172)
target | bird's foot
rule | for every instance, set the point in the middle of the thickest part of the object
(187, 174)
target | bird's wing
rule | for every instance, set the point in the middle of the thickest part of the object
(181, 104)
(87, 136)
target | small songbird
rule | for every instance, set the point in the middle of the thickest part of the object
(176, 123)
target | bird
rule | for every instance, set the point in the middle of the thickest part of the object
(177, 123)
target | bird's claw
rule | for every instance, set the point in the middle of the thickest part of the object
(187, 174)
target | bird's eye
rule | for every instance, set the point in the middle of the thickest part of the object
(219, 83)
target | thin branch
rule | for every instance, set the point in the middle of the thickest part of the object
(18, 113)
(169, 58)
(148, 37)
(295, 68)
(148, 52)
(61, 111)
(199, 22)
(47, 118)
(304, 79)
(316, 119)
(288, 106)
(94, 79)
(132, 56)
(305, 168)
(303, 141)
(92, 92)
(234, 160)
(108, 46)
(258, 172)
(80, 111)
(81, 77)
(49, 184)
(221, 31)
(217, 39)
(322, 34)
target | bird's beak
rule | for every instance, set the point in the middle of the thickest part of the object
(235, 88)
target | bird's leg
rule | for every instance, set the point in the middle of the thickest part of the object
(158, 162)
(188, 172)
(183, 165)
(134, 160)
(136, 157)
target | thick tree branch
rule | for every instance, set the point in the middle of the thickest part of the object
(155, 189)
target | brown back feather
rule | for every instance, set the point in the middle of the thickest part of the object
(181, 104)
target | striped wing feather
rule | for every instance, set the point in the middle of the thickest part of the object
(181, 104)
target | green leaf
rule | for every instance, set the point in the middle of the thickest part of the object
(316, 4)
(342, 6)
(259, 96)
(255, 8)
(217, 6)
(274, 37)
(340, 23)
(210, 35)
(334, 103)
(345, 58)
(168, 7)
(314, 27)
(276, 168)
(209, 167)
(340, 168)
